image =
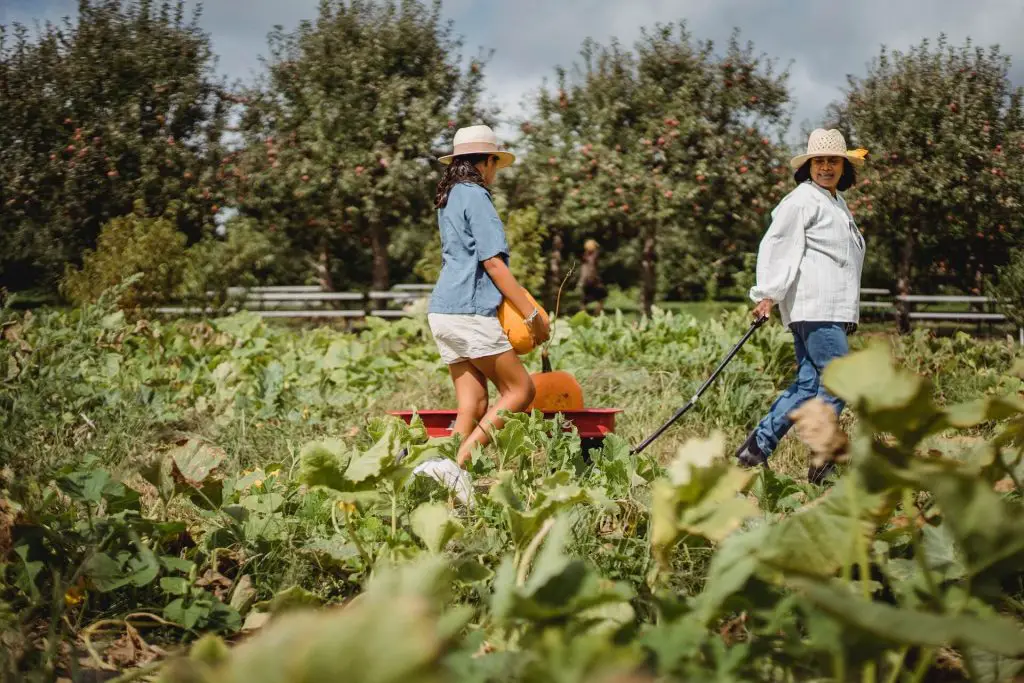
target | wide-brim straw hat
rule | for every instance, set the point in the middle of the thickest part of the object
(478, 140)
(827, 143)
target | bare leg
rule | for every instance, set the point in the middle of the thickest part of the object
(471, 396)
(517, 391)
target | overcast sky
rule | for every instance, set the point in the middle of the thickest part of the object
(820, 42)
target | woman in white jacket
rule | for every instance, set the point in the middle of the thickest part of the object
(809, 264)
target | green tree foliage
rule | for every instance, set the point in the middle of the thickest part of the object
(940, 200)
(342, 134)
(119, 106)
(667, 152)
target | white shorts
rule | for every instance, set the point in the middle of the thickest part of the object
(461, 337)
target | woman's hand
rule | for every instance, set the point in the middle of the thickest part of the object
(763, 309)
(539, 329)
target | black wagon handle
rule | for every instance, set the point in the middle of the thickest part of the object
(696, 397)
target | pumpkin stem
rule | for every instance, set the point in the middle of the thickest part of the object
(545, 361)
(558, 304)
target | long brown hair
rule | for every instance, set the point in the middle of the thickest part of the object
(462, 170)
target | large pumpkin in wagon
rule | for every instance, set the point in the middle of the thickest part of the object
(557, 391)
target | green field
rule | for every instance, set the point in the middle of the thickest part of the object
(166, 480)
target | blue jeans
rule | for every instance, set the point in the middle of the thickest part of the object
(816, 344)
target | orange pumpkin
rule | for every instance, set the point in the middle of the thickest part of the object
(511, 321)
(557, 391)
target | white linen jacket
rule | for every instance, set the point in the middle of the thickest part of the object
(810, 260)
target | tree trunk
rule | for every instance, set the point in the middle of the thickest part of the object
(323, 266)
(648, 274)
(903, 270)
(379, 240)
(554, 270)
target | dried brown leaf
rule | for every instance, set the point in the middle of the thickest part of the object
(1004, 485)
(817, 426)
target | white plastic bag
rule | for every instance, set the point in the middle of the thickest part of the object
(450, 475)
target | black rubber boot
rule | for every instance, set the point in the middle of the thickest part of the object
(818, 475)
(749, 455)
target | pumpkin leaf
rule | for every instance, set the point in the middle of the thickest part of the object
(434, 525)
(892, 398)
(909, 627)
(701, 496)
(323, 465)
(822, 536)
(370, 464)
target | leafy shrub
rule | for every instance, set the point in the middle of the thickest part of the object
(154, 248)
(1008, 287)
(128, 245)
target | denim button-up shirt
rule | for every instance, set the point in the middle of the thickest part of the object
(471, 233)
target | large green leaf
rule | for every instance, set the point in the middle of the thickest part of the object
(823, 536)
(195, 462)
(195, 471)
(908, 627)
(702, 496)
(105, 573)
(891, 398)
(732, 566)
(434, 525)
(550, 499)
(381, 454)
(940, 552)
(558, 586)
(989, 529)
(323, 465)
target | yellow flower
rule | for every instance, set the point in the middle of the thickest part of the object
(860, 153)
(75, 594)
(346, 506)
(258, 483)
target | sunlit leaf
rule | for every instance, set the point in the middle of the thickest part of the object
(293, 597)
(892, 398)
(434, 525)
(323, 464)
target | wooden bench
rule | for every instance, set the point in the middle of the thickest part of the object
(981, 309)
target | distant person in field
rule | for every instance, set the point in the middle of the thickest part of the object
(592, 290)
(463, 312)
(809, 264)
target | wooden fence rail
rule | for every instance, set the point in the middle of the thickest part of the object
(308, 301)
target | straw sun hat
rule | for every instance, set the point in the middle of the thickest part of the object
(478, 140)
(828, 143)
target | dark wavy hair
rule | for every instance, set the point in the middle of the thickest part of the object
(461, 170)
(847, 180)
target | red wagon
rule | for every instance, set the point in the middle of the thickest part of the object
(592, 424)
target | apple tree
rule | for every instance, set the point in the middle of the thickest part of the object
(342, 133)
(666, 154)
(941, 198)
(118, 106)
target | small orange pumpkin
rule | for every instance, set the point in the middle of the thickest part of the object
(557, 391)
(511, 321)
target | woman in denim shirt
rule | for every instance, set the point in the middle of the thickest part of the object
(463, 312)
(809, 264)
